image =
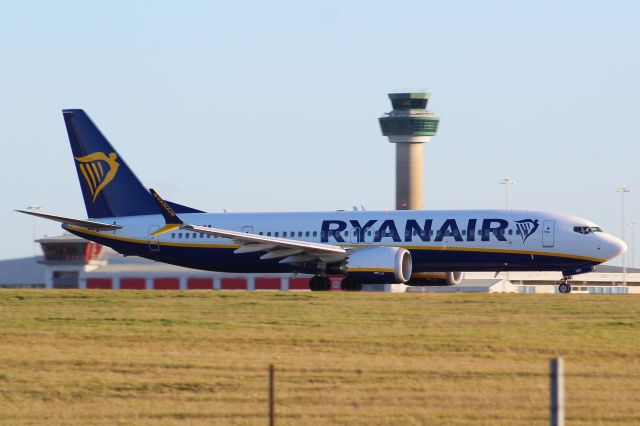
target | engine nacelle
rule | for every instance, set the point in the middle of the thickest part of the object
(454, 278)
(379, 265)
(436, 278)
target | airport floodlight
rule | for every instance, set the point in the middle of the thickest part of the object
(623, 190)
(34, 208)
(634, 228)
(506, 182)
(409, 125)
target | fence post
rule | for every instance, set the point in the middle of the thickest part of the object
(272, 414)
(557, 392)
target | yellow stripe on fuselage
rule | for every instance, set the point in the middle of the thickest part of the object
(370, 270)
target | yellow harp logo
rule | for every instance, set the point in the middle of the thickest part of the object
(98, 170)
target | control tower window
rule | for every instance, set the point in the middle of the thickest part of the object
(409, 103)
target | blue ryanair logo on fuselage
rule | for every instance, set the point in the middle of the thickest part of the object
(484, 229)
(526, 227)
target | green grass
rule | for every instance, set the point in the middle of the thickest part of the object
(127, 357)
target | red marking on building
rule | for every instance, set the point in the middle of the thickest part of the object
(166, 283)
(299, 284)
(233, 284)
(132, 284)
(200, 283)
(99, 283)
(268, 283)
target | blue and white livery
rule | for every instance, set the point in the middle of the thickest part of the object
(412, 247)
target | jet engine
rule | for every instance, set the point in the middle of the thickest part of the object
(435, 278)
(378, 265)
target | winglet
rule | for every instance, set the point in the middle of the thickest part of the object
(172, 220)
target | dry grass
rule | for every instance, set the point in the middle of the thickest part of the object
(92, 357)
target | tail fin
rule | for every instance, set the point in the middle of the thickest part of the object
(109, 187)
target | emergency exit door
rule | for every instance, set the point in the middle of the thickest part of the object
(548, 233)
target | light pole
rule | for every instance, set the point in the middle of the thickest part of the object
(634, 227)
(506, 182)
(33, 230)
(623, 190)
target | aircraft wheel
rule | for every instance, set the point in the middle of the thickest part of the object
(319, 283)
(564, 288)
(349, 285)
(326, 284)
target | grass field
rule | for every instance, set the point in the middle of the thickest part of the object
(126, 357)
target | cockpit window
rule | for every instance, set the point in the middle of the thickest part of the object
(586, 229)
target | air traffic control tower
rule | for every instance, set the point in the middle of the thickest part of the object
(408, 126)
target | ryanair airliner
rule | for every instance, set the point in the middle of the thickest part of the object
(412, 247)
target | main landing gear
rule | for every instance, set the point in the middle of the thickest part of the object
(564, 287)
(320, 283)
(349, 285)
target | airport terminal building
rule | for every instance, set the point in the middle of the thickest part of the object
(70, 262)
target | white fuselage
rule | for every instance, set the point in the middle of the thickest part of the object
(463, 240)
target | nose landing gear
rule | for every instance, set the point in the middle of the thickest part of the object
(563, 286)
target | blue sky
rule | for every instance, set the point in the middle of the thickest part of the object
(253, 106)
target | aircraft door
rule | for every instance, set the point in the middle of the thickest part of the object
(548, 233)
(154, 243)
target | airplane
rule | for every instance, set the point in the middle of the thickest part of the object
(365, 247)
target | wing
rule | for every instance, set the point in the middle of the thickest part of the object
(289, 251)
(89, 224)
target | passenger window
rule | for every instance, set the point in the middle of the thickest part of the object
(259, 233)
(186, 235)
(173, 236)
(315, 233)
(306, 234)
(180, 236)
(269, 234)
(464, 232)
(299, 233)
(346, 233)
(194, 235)
(201, 235)
(284, 234)
(510, 231)
(208, 235)
(369, 233)
(277, 233)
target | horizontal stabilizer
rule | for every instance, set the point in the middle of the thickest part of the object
(89, 224)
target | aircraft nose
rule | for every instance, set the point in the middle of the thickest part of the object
(612, 247)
